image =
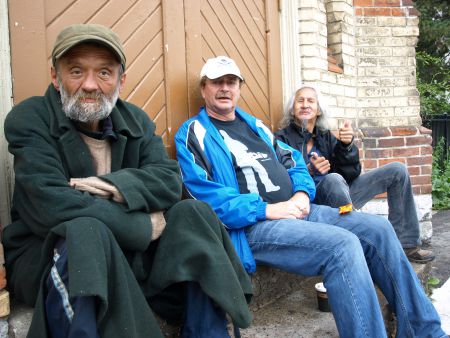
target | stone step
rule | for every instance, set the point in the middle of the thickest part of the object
(284, 305)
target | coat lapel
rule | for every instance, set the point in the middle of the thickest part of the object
(77, 155)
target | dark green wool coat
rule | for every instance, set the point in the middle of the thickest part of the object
(109, 251)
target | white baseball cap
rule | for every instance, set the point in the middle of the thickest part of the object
(220, 66)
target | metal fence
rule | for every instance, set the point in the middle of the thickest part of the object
(440, 126)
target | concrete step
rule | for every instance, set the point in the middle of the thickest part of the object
(284, 305)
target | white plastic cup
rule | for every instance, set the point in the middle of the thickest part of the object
(322, 298)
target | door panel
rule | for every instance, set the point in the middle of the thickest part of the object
(166, 43)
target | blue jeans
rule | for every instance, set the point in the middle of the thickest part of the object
(351, 252)
(66, 316)
(392, 178)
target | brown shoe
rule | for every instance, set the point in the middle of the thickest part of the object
(418, 255)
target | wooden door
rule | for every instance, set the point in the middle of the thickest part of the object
(166, 43)
(248, 32)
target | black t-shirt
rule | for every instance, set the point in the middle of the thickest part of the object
(256, 165)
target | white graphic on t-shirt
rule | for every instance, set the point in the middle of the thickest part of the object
(248, 162)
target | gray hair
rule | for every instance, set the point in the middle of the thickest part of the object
(288, 114)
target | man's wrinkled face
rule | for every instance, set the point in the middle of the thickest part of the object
(306, 108)
(221, 94)
(89, 79)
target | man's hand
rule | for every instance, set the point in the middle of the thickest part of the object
(97, 186)
(301, 200)
(319, 163)
(296, 207)
(346, 133)
(158, 224)
(283, 210)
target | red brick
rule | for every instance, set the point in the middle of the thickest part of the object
(406, 152)
(407, 3)
(403, 131)
(359, 12)
(369, 164)
(421, 160)
(362, 3)
(390, 160)
(414, 171)
(383, 195)
(425, 131)
(361, 153)
(421, 180)
(413, 12)
(416, 190)
(399, 12)
(426, 150)
(425, 170)
(376, 132)
(377, 11)
(416, 140)
(391, 142)
(426, 189)
(357, 142)
(370, 143)
(378, 153)
(387, 3)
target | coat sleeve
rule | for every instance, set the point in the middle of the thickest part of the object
(293, 161)
(235, 210)
(155, 184)
(344, 159)
(43, 198)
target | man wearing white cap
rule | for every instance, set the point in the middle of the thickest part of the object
(271, 221)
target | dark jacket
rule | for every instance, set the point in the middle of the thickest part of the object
(344, 160)
(108, 243)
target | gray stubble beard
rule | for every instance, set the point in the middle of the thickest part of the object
(87, 112)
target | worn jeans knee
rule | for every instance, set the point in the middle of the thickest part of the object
(333, 191)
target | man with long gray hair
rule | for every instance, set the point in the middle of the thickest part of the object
(333, 163)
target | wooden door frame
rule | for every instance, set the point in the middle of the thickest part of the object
(175, 73)
(6, 167)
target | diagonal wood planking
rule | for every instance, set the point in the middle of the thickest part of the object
(139, 24)
(229, 28)
(166, 43)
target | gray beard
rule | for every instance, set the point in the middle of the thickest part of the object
(77, 110)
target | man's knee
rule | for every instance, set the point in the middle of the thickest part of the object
(335, 178)
(397, 169)
(349, 249)
(87, 225)
(188, 207)
(333, 190)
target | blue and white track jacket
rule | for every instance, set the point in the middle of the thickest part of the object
(208, 174)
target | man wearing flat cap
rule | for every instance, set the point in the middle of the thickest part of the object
(99, 236)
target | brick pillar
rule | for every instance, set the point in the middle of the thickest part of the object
(387, 96)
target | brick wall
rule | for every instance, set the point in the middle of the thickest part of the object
(386, 36)
(408, 145)
(374, 43)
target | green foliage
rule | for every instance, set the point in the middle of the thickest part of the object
(434, 27)
(433, 56)
(433, 83)
(440, 177)
(432, 282)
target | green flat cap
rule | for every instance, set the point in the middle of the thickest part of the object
(73, 35)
